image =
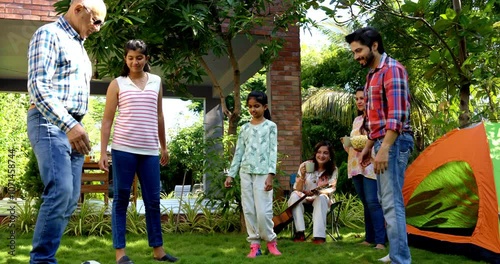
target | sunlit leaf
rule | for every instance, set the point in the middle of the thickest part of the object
(434, 56)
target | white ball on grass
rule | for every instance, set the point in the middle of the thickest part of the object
(91, 262)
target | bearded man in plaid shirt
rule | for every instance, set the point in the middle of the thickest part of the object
(388, 120)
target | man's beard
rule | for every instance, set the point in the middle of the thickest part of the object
(369, 60)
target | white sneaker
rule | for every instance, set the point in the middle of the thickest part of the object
(385, 259)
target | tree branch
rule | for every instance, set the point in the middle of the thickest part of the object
(216, 86)
(446, 46)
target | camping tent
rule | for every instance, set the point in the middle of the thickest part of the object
(452, 193)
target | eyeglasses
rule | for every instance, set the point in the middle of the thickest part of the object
(96, 22)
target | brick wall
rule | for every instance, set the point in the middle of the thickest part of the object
(38, 10)
(285, 95)
(284, 79)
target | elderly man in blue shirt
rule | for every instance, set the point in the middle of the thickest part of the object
(59, 73)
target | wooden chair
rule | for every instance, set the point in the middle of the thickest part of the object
(94, 180)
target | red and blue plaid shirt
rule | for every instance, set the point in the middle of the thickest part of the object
(388, 98)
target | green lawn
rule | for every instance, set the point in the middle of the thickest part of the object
(217, 248)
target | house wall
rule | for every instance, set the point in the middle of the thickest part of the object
(36, 10)
(286, 101)
(283, 87)
(283, 80)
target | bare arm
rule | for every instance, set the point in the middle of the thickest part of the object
(164, 157)
(107, 121)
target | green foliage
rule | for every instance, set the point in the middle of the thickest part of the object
(256, 83)
(169, 223)
(315, 129)
(31, 181)
(221, 197)
(191, 152)
(13, 140)
(330, 103)
(351, 213)
(93, 119)
(197, 106)
(181, 34)
(202, 218)
(210, 220)
(91, 219)
(136, 223)
(101, 224)
(331, 66)
(187, 153)
(344, 184)
(427, 38)
(456, 52)
(25, 220)
(191, 221)
(82, 220)
(279, 205)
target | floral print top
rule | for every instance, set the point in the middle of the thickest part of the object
(353, 161)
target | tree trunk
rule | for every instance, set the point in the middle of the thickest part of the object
(464, 117)
(235, 117)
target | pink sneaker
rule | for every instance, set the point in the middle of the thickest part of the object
(254, 251)
(271, 247)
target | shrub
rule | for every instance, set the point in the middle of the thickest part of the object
(351, 212)
(315, 129)
(31, 180)
(26, 215)
(82, 220)
(136, 223)
(344, 184)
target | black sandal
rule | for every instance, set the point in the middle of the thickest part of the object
(124, 260)
(167, 257)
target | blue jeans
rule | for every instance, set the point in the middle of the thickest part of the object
(125, 165)
(61, 172)
(390, 185)
(374, 217)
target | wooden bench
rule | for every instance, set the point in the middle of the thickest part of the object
(94, 180)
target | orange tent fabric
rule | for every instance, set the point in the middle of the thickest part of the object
(469, 145)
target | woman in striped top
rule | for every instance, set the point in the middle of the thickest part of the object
(138, 129)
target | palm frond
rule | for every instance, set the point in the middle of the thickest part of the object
(330, 103)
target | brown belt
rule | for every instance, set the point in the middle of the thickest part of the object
(78, 118)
